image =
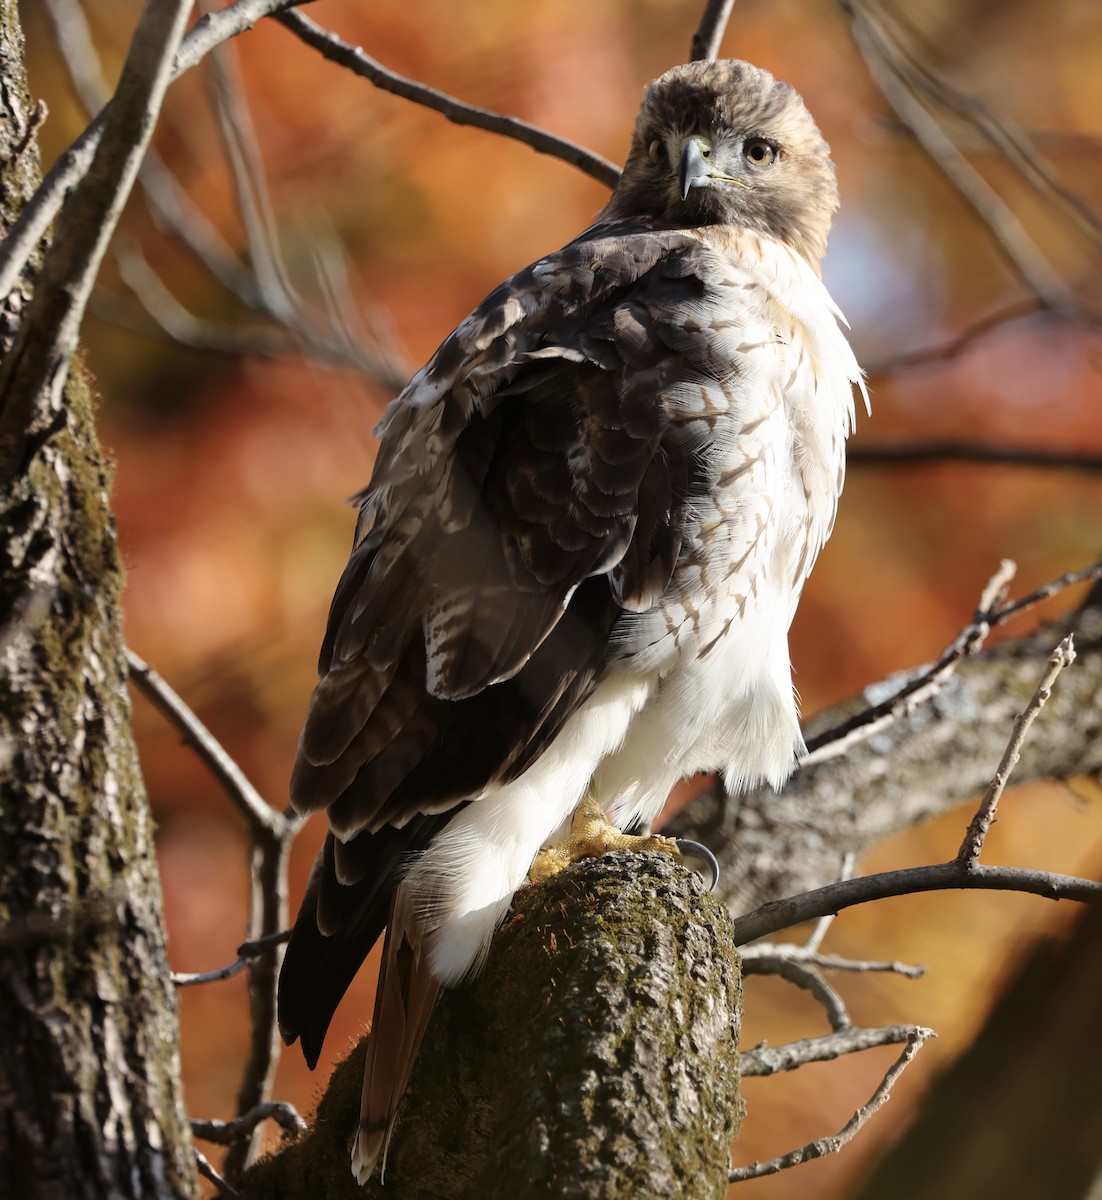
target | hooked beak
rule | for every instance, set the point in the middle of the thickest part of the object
(692, 170)
(697, 168)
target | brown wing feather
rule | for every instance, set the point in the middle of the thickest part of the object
(528, 491)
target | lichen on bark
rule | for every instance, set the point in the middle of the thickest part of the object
(595, 1057)
(90, 1097)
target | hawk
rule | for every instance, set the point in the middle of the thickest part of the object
(578, 558)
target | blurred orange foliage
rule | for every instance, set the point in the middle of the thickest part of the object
(232, 471)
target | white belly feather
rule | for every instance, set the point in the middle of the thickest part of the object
(703, 680)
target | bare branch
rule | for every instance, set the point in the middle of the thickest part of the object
(772, 1060)
(802, 976)
(268, 924)
(209, 1173)
(709, 33)
(947, 351)
(1061, 583)
(170, 205)
(209, 31)
(910, 454)
(783, 914)
(888, 69)
(259, 815)
(770, 951)
(823, 924)
(226, 1133)
(272, 835)
(772, 846)
(354, 59)
(969, 852)
(37, 367)
(247, 952)
(831, 1145)
(996, 131)
(921, 686)
(251, 188)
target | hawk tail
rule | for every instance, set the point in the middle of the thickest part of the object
(404, 999)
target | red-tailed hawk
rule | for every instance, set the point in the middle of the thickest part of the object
(578, 557)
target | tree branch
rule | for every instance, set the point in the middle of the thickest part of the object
(783, 914)
(258, 814)
(831, 1145)
(916, 454)
(34, 372)
(355, 60)
(272, 834)
(772, 1060)
(891, 74)
(943, 352)
(969, 853)
(225, 1133)
(610, 1001)
(208, 32)
(709, 33)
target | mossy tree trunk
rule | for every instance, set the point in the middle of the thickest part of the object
(594, 1057)
(90, 1095)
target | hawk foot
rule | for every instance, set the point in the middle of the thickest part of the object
(591, 835)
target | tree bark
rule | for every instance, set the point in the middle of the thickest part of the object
(594, 1057)
(90, 1096)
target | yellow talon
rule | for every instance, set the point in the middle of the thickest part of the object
(591, 835)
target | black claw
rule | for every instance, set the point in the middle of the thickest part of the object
(700, 859)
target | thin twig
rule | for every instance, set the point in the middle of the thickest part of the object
(772, 1060)
(269, 292)
(803, 976)
(250, 184)
(815, 937)
(831, 1145)
(969, 852)
(259, 815)
(269, 917)
(770, 951)
(913, 454)
(891, 76)
(35, 217)
(924, 684)
(208, 1172)
(952, 348)
(783, 914)
(709, 33)
(225, 1133)
(272, 834)
(170, 205)
(247, 953)
(34, 123)
(354, 59)
(920, 687)
(1002, 135)
(1061, 583)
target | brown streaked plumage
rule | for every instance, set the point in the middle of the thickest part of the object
(577, 560)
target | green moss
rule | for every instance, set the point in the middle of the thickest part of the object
(595, 1056)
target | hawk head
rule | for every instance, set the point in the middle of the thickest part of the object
(724, 142)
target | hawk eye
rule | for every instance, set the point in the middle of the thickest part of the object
(654, 151)
(759, 151)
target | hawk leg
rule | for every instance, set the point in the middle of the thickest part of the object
(591, 835)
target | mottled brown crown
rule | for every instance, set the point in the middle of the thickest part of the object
(731, 102)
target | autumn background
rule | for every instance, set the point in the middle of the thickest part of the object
(233, 468)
